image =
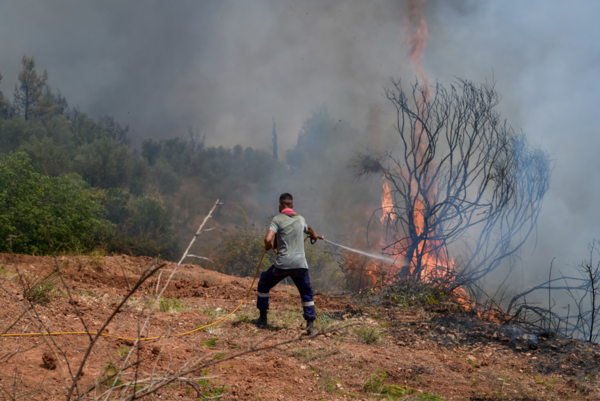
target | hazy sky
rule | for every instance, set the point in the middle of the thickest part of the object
(228, 67)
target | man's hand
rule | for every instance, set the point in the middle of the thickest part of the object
(313, 235)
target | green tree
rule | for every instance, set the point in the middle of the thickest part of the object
(29, 91)
(114, 130)
(274, 141)
(59, 129)
(104, 163)
(85, 130)
(314, 139)
(195, 141)
(138, 183)
(5, 106)
(49, 145)
(49, 158)
(14, 132)
(166, 179)
(151, 150)
(28, 199)
(177, 152)
(143, 225)
(46, 107)
(188, 208)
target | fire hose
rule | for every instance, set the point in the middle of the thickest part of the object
(70, 333)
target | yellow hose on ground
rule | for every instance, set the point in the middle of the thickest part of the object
(148, 338)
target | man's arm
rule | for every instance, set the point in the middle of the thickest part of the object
(268, 239)
(312, 233)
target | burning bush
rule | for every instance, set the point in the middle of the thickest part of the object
(460, 180)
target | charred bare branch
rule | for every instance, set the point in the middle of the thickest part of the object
(584, 291)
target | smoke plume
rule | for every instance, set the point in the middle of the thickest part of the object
(228, 68)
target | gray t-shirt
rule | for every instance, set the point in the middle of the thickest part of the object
(290, 241)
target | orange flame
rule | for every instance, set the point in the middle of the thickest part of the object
(386, 202)
(436, 263)
(417, 32)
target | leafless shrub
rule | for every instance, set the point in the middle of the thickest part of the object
(583, 290)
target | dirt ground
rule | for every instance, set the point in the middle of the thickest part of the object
(370, 353)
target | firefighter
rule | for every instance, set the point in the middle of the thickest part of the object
(287, 228)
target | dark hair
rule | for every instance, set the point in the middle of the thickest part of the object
(286, 199)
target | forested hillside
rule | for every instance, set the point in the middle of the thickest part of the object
(77, 181)
(45, 142)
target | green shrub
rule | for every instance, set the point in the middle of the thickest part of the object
(143, 225)
(211, 342)
(28, 200)
(104, 163)
(171, 305)
(47, 157)
(122, 351)
(213, 392)
(39, 290)
(376, 384)
(109, 374)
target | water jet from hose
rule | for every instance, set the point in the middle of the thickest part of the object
(367, 254)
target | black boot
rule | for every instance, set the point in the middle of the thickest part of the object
(261, 322)
(310, 327)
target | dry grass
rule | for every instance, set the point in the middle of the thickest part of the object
(172, 305)
(90, 297)
(369, 334)
(7, 274)
(288, 318)
(213, 314)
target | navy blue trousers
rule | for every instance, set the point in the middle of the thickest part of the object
(272, 276)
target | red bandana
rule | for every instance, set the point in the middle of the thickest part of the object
(288, 211)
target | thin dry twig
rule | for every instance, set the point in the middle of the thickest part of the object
(123, 270)
(154, 388)
(157, 300)
(145, 275)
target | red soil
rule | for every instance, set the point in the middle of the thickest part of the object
(454, 357)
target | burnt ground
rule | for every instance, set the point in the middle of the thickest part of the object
(387, 353)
